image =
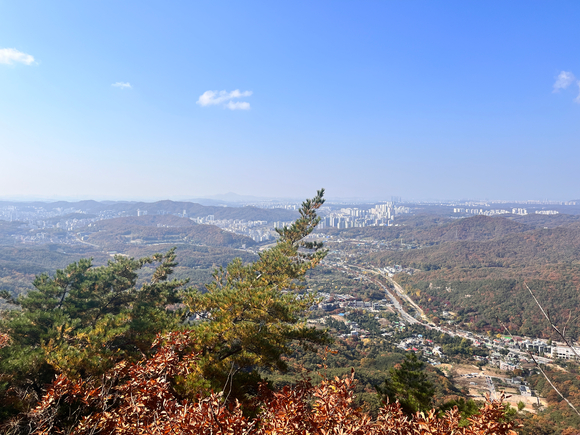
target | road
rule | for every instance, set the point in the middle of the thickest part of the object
(396, 304)
(491, 387)
(364, 273)
(86, 243)
(404, 315)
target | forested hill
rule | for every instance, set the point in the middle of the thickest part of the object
(169, 207)
(482, 281)
(527, 248)
(111, 233)
(6, 231)
(433, 229)
(475, 228)
(200, 248)
(142, 221)
(546, 221)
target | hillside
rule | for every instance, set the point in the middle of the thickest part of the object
(529, 248)
(7, 229)
(200, 248)
(20, 264)
(483, 280)
(434, 229)
(477, 228)
(546, 221)
(111, 233)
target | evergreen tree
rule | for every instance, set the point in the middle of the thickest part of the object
(408, 384)
(250, 314)
(81, 322)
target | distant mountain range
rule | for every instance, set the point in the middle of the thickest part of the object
(235, 198)
(170, 207)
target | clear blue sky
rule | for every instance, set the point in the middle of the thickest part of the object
(420, 99)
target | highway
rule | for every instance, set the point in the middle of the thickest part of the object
(364, 273)
(396, 304)
(491, 387)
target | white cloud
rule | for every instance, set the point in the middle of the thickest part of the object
(122, 85)
(565, 79)
(238, 105)
(8, 56)
(213, 98)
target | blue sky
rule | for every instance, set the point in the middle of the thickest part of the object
(419, 99)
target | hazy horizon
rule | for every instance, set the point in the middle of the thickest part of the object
(251, 198)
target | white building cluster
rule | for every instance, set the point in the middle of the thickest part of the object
(492, 212)
(259, 231)
(480, 211)
(380, 215)
(560, 350)
(495, 212)
(520, 211)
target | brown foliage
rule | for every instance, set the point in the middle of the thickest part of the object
(138, 399)
(4, 340)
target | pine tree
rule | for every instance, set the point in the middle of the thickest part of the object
(250, 314)
(82, 321)
(408, 384)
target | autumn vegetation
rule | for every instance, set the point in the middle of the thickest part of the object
(141, 399)
(477, 267)
(125, 349)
